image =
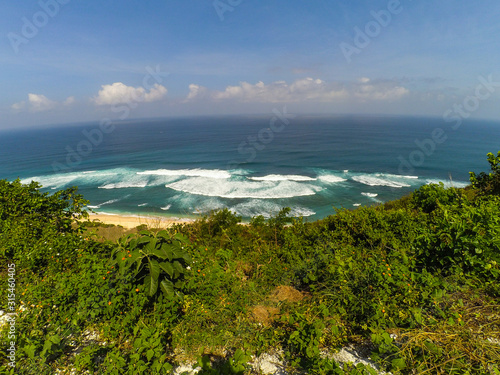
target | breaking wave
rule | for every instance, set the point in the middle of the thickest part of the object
(243, 189)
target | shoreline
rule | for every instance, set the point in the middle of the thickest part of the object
(130, 221)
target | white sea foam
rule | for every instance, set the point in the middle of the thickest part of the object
(105, 203)
(166, 208)
(266, 208)
(357, 204)
(448, 183)
(371, 180)
(126, 179)
(203, 205)
(142, 204)
(279, 177)
(124, 184)
(60, 180)
(371, 195)
(56, 180)
(107, 213)
(332, 179)
(301, 211)
(209, 173)
(395, 176)
(243, 189)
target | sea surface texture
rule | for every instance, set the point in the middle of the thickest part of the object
(252, 165)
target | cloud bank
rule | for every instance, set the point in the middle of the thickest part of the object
(303, 90)
(40, 103)
(119, 93)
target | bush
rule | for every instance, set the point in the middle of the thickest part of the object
(429, 197)
(488, 184)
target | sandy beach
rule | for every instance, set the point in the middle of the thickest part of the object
(132, 221)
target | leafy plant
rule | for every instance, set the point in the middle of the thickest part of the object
(157, 259)
(488, 183)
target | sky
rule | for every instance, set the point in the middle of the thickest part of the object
(68, 61)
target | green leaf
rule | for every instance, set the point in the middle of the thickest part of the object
(168, 251)
(143, 240)
(30, 351)
(160, 253)
(151, 246)
(179, 237)
(149, 354)
(433, 348)
(150, 285)
(154, 269)
(399, 363)
(167, 287)
(163, 234)
(168, 268)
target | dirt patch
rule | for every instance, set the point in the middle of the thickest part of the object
(244, 269)
(286, 293)
(264, 314)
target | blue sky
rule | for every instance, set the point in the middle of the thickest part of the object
(66, 61)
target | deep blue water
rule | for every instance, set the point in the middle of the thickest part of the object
(252, 165)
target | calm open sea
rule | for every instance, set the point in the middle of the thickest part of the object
(253, 165)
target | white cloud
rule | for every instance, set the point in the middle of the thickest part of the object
(119, 93)
(196, 92)
(18, 107)
(39, 103)
(280, 91)
(70, 100)
(379, 90)
(304, 90)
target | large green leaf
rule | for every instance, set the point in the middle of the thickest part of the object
(160, 253)
(154, 269)
(168, 268)
(143, 240)
(178, 267)
(163, 234)
(181, 238)
(150, 285)
(167, 287)
(168, 251)
(151, 246)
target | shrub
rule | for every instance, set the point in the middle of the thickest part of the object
(429, 197)
(489, 183)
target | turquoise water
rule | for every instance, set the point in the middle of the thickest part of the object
(250, 164)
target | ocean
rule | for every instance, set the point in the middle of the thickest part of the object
(253, 165)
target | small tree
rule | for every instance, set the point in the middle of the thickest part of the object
(488, 184)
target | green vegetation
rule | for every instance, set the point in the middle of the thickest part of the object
(414, 282)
